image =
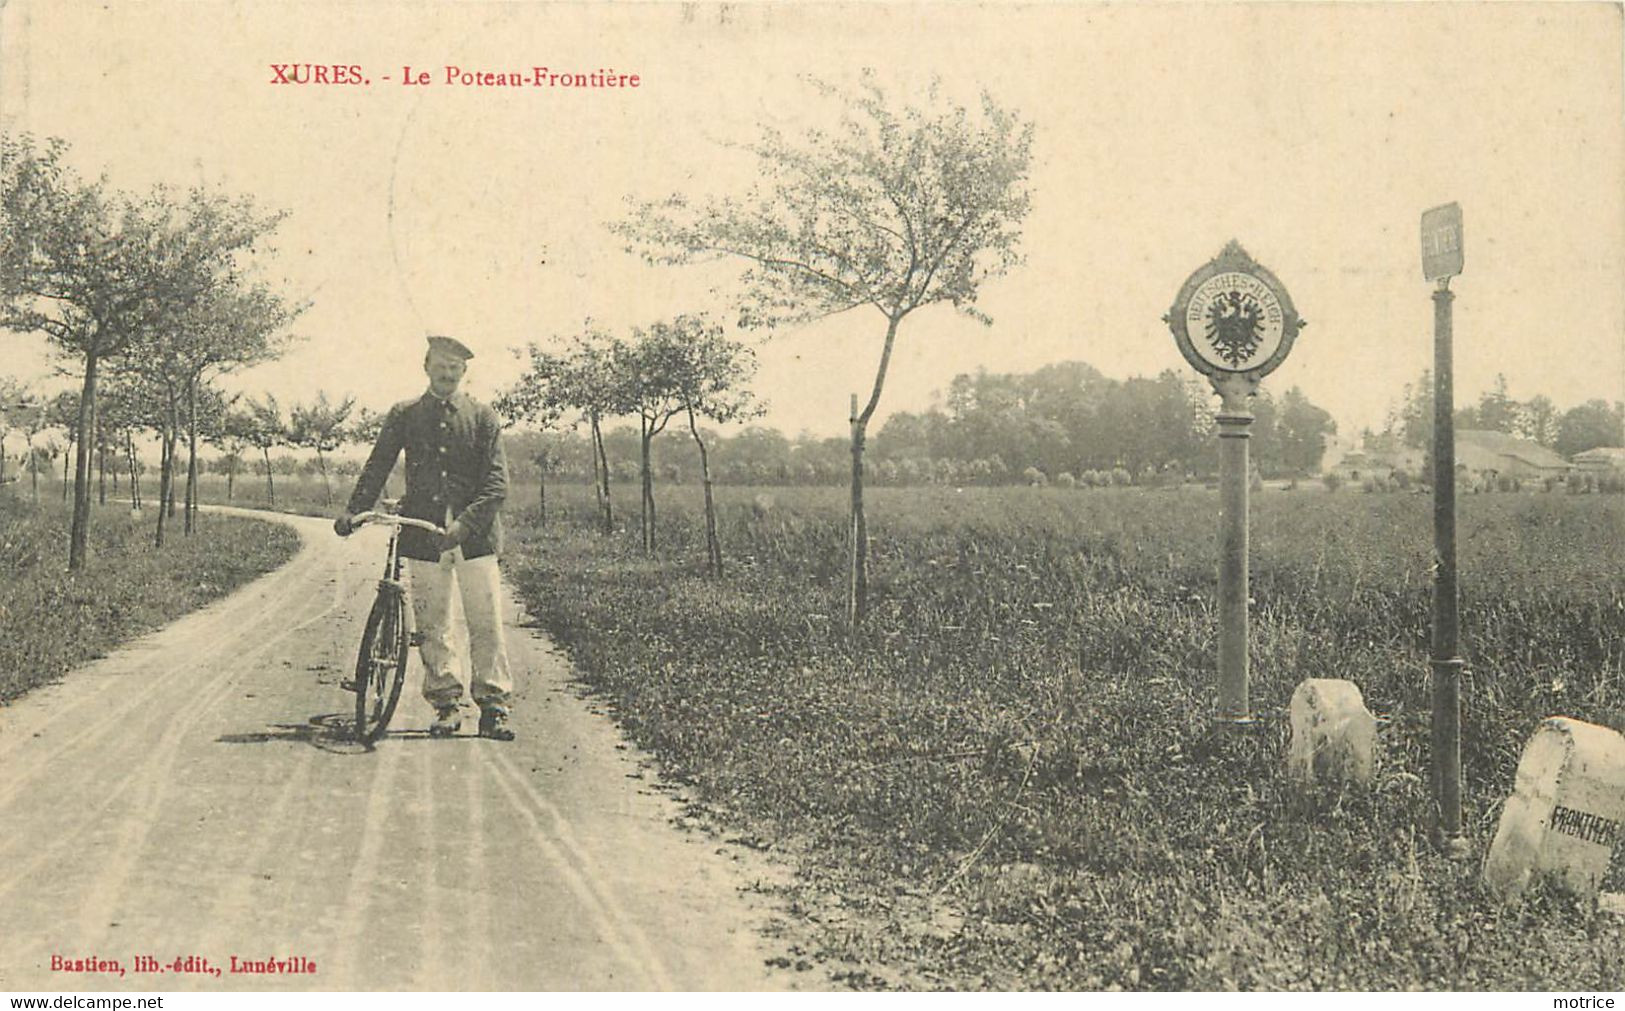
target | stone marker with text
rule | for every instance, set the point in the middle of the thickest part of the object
(1566, 815)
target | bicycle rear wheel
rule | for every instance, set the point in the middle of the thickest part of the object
(380, 667)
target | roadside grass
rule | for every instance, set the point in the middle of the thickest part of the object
(297, 494)
(52, 620)
(1012, 779)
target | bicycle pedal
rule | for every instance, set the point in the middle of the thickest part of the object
(349, 684)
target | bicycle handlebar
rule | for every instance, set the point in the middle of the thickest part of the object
(372, 516)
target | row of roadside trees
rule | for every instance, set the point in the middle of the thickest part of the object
(148, 299)
(239, 428)
(684, 369)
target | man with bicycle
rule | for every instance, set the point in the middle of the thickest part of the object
(456, 477)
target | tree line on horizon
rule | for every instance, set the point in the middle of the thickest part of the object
(1589, 425)
(1065, 423)
(1143, 429)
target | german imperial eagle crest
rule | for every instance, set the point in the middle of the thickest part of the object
(1233, 320)
(1233, 323)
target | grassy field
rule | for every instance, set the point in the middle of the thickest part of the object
(52, 620)
(1012, 780)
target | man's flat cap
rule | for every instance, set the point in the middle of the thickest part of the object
(451, 346)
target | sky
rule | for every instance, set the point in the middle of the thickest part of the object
(1314, 134)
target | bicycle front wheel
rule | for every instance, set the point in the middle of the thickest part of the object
(380, 667)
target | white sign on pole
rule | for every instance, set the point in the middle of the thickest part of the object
(1441, 242)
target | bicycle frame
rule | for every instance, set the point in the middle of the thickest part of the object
(391, 580)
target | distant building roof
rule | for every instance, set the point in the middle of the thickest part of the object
(1612, 456)
(1479, 449)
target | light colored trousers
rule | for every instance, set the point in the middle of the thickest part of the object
(479, 584)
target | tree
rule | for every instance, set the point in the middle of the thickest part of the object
(1302, 429)
(1415, 414)
(671, 368)
(96, 271)
(895, 210)
(230, 327)
(320, 425)
(906, 435)
(125, 406)
(157, 376)
(643, 375)
(62, 412)
(176, 403)
(539, 398)
(41, 457)
(267, 431)
(548, 462)
(79, 265)
(161, 376)
(1589, 425)
(234, 433)
(1537, 420)
(584, 379)
(707, 374)
(207, 408)
(1497, 411)
(761, 454)
(33, 417)
(366, 427)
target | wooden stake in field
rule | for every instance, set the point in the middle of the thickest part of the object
(857, 543)
(1235, 323)
(1442, 259)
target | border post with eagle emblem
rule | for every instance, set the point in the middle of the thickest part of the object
(1235, 323)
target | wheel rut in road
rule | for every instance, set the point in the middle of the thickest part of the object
(195, 793)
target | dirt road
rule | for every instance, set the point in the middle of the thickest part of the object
(194, 795)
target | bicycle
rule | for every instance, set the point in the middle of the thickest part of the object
(380, 666)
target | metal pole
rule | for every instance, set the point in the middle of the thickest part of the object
(1446, 664)
(1233, 420)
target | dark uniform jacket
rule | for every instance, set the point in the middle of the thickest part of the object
(454, 460)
